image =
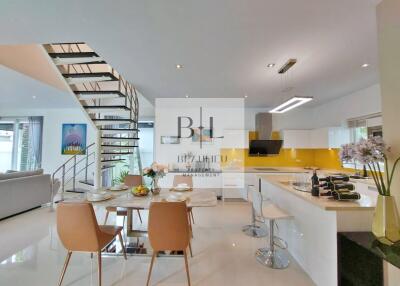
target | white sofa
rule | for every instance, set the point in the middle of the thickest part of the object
(23, 191)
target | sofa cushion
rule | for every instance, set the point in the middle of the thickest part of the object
(15, 175)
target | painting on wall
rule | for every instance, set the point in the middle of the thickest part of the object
(73, 140)
(170, 140)
(205, 138)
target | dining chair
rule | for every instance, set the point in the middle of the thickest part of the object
(78, 230)
(188, 180)
(130, 181)
(169, 230)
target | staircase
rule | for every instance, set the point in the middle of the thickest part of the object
(109, 100)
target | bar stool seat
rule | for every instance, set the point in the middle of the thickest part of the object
(271, 211)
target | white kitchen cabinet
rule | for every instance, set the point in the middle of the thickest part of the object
(299, 139)
(233, 185)
(329, 137)
(235, 138)
(320, 138)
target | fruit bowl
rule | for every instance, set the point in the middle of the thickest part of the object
(140, 191)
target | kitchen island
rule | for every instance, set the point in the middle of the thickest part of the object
(312, 233)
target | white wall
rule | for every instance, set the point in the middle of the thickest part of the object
(52, 124)
(333, 113)
(227, 113)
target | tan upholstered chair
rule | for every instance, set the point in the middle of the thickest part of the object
(169, 230)
(78, 231)
(130, 181)
(188, 180)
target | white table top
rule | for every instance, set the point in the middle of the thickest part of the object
(199, 197)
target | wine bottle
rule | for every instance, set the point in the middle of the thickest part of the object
(315, 184)
(340, 186)
(335, 179)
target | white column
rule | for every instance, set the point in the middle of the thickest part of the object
(388, 18)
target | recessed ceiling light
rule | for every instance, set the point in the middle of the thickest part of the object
(178, 66)
(246, 96)
(34, 96)
(271, 65)
(290, 104)
(365, 65)
(187, 95)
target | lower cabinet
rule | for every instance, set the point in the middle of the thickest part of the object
(233, 185)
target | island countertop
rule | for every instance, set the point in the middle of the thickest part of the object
(283, 182)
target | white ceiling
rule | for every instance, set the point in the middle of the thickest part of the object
(21, 91)
(224, 45)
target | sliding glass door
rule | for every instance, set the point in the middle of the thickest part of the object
(6, 145)
(20, 143)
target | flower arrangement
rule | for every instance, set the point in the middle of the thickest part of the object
(371, 152)
(155, 172)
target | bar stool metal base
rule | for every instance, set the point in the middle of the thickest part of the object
(254, 230)
(276, 259)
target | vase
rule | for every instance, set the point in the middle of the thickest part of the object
(386, 223)
(155, 189)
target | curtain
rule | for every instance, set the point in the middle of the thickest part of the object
(35, 129)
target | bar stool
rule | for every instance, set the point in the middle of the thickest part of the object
(274, 255)
(253, 229)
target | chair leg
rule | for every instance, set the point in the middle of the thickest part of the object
(99, 265)
(190, 249)
(65, 267)
(140, 217)
(190, 224)
(191, 214)
(106, 218)
(122, 245)
(151, 267)
(187, 267)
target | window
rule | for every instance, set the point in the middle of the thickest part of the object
(361, 129)
(20, 143)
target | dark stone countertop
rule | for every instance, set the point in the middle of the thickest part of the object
(367, 240)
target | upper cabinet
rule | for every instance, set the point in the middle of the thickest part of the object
(299, 138)
(331, 137)
(321, 138)
(235, 138)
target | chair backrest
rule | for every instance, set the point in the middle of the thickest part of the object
(168, 227)
(257, 201)
(133, 180)
(77, 227)
(180, 179)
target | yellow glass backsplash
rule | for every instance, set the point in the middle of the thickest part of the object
(322, 158)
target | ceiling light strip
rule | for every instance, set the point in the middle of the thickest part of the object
(291, 104)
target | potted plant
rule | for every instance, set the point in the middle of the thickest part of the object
(155, 172)
(121, 178)
(372, 152)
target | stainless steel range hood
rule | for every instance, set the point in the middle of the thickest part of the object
(264, 145)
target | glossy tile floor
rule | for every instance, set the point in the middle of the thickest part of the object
(31, 254)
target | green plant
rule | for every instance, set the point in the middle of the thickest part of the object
(121, 178)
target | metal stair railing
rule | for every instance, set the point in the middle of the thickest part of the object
(67, 173)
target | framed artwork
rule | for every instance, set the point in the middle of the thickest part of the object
(170, 140)
(73, 140)
(206, 136)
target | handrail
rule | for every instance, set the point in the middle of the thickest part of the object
(66, 171)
